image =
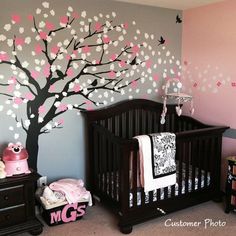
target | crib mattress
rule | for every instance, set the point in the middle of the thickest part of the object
(162, 195)
(156, 197)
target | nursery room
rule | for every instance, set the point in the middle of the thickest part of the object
(117, 117)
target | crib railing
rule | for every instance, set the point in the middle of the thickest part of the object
(116, 171)
(198, 157)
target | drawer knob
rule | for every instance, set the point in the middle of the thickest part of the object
(7, 217)
(5, 197)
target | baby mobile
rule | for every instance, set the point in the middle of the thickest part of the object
(175, 95)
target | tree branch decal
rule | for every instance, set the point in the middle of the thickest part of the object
(87, 57)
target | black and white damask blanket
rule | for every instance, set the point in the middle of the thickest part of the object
(157, 160)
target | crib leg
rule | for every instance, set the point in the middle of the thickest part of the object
(126, 229)
(218, 198)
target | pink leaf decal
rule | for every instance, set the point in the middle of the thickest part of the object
(155, 77)
(55, 50)
(43, 35)
(106, 39)
(18, 101)
(135, 49)
(86, 49)
(122, 63)
(77, 88)
(41, 109)
(49, 26)
(75, 52)
(61, 122)
(3, 56)
(148, 63)
(64, 20)
(15, 18)
(98, 26)
(68, 57)
(62, 107)
(19, 41)
(233, 84)
(10, 88)
(113, 57)
(52, 88)
(76, 15)
(195, 85)
(70, 72)
(125, 25)
(30, 17)
(89, 105)
(29, 96)
(46, 70)
(134, 84)
(35, 74)
(218, 83)
(38, 49)
(112, 74)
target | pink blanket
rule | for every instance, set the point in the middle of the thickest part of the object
(73, 189)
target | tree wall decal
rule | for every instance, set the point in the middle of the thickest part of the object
(67, 56)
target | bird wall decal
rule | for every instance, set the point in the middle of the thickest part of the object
(178, 19)
(161, 41)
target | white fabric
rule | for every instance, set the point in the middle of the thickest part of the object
(145, 155)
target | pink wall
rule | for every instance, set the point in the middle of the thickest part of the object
(209, 65)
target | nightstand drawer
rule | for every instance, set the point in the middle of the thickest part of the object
(12, 215)
(11, 196)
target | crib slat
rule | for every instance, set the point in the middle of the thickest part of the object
(142, 197)
(101, 177)
(110, 172)
(179, 153)
(143, 122)
(134, 174)
(136, 118)
(123, 125)
(207, 154)
(149, 122)
(150, 197)
(165, 192)
(172, 194)
(96, 156)
(193, 161)
(117, 179)
(104, 163)
(186, 158)
(200, 154)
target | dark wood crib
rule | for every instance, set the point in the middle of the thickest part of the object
(113, 173)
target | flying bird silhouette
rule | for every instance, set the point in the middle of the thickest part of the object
(161, 41)
(178, 19)
(59, 73)
(134, 61)
(95, 82)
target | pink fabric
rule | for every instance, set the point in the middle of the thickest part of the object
(72, 188)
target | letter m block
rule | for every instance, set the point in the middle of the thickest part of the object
(55, 216)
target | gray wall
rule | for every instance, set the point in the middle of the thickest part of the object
(62, 151)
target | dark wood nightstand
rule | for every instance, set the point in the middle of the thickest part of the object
(17, 205)
(231, 185)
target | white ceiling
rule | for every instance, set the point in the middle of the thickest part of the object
(174, 4)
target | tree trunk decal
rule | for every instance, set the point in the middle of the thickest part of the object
(79, 55)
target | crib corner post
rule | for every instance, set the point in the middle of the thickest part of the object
(126, 149)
